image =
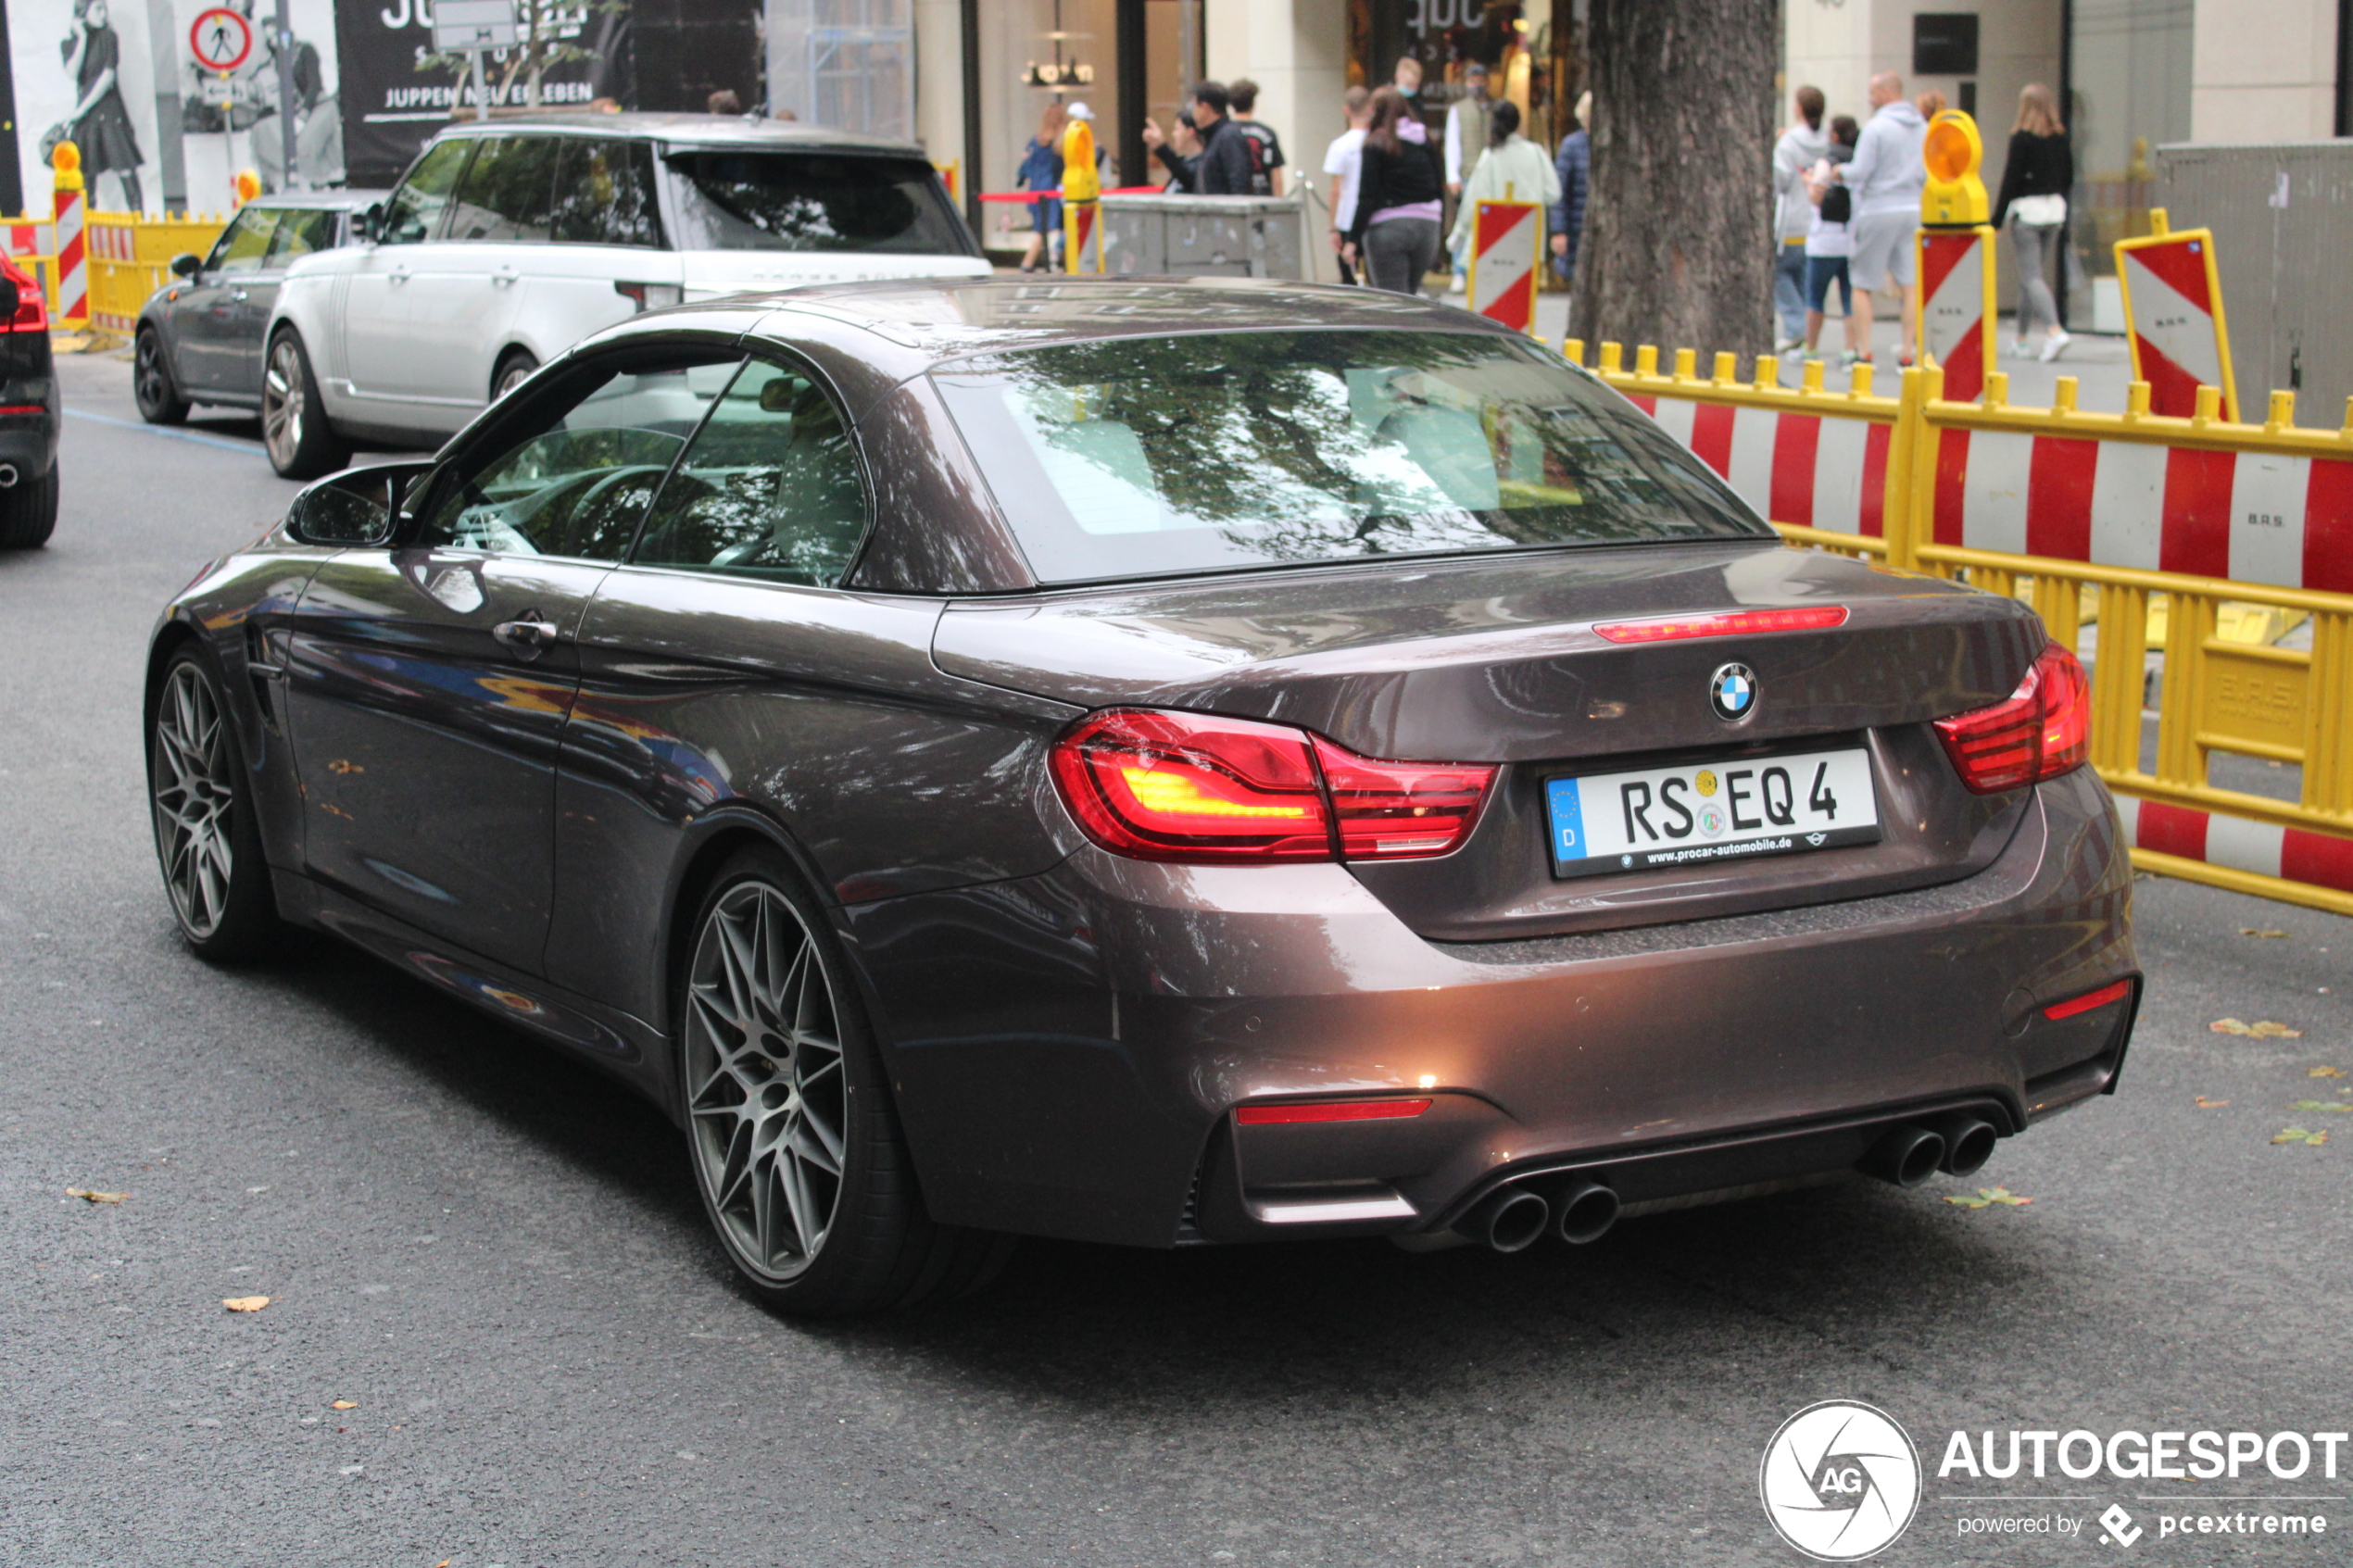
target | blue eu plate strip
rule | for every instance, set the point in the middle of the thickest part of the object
(1568, 820)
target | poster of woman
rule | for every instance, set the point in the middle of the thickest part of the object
(84, 71)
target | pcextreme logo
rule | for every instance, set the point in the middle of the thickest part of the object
(1839, 1480)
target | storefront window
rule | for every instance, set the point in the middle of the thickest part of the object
(1529, 49)
(2129, 94)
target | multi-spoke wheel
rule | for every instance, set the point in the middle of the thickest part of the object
(151, 385)
(294, 431)
(205, 835)
(512, 371)
(796, 1147)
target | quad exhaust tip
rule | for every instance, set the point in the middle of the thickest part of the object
(1907, 1155)
(1511, 1219)
(1968, 1141)
(1585, 1213)
(7, 476)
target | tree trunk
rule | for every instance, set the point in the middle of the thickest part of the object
(1677, 245)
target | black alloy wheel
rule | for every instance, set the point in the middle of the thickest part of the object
(207, 838)
(151, 385)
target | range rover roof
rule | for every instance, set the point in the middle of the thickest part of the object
(689, 129)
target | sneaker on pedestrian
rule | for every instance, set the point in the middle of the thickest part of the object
(2055, 345)
(1784, 345)
(1848, 359)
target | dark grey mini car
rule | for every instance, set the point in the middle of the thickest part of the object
(1155, 763)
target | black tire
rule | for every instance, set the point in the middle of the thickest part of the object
(29, 511)
(152, 386)
(295, 432)
(758, 1100)
(200, 799)
(514, 367)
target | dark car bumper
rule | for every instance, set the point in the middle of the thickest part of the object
(29, 426)
(1068, 1050)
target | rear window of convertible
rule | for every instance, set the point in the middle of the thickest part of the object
(1150, 457)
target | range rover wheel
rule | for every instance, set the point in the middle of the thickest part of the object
(796, 1147)
(151, 385)
(205, 836)
(513, 370)
(301, 443)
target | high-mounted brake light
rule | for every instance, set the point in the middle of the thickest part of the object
(1675, 628)
(20, 298)
(2113, 991)
(2039, 731)
(1198, 787)
(1330, 1110)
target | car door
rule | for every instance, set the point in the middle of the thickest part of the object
(499, 219)
(406, 306)
(204, 316)
(299, 231)
(429, 681)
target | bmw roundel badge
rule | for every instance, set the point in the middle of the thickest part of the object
(1732, 691)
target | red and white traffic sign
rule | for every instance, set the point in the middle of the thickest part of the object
(2173, 306)
(1506, 238)
(221, 39)
(1957, 307)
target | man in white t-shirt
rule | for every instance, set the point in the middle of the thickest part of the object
(1342, 161)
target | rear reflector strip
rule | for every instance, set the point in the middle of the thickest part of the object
(1668, 629)
(1330, 1110)
(2114, 991)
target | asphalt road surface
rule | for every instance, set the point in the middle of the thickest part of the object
(499, 1334)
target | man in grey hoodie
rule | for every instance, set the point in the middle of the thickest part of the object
(1801, 148)
(1884, 178)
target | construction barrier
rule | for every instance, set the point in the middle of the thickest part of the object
(2180, 338)
(131, 258)
(73, 247)
(2196, 538)
(1508, 238)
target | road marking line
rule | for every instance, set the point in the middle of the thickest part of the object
(174, 434)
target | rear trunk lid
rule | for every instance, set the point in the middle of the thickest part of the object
(1497, 661)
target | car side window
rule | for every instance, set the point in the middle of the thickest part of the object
(571, 473)
(769, 488)
(244, 243)
(413, 212)
(604, 192)
(505, 191)
(300, 231)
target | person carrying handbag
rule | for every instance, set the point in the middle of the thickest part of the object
(2035, 178)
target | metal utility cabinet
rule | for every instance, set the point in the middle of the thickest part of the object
(1182, 236)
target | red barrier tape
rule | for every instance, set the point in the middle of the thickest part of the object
(1032, 196)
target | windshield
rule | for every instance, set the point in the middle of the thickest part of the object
(1143, 456)
(731, 200)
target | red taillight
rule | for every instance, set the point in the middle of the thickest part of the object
(27, 312)
(1386, 810)
(1674, 628)
(2114, 990)
(1330, 1110)
(1196, 787)
(2038, 731)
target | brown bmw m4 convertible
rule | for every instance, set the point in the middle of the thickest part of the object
(1153, 763)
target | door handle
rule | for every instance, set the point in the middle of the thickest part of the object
(237, 294)
(399, 274)
(530, 634)
(502, 276)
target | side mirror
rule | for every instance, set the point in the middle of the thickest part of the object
(369, 225)
(354, 509)
(187, 264)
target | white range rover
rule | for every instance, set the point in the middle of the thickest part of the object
(508, 241)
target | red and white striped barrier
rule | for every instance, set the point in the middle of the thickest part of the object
(24, 240)
(2263, 848)
(73, 259)
(1957, 307)
(1506, 238)
(1809, 470)
(2173, 308)
(2252, 516)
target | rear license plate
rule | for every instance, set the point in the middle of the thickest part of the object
(1708, 811)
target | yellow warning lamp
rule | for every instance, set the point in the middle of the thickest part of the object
(1079, 181)
(1954, 197)
(248, 186)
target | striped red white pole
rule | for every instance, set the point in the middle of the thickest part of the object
(73, 253)
(2173, 309)
(1506, 239)
(2238, 844)
(1957, 307)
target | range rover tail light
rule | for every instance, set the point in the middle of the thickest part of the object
(1200, 788)
(2039, 731)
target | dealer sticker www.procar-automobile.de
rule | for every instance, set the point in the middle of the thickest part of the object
(1705, 812)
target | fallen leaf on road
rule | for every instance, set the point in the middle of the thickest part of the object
(1985, 1196)
(2298, 1134)
(2320, 1105)
(244, 1303)
(345, 1405)
(2258, 931)
(2206, 1104)
(2264, 1031)
(2323, 1072)
(96, 1196)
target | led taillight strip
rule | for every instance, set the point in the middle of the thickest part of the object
(1675, 628)
(1330, 1110)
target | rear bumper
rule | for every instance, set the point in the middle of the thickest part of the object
(29, 425)
(1068, 1048)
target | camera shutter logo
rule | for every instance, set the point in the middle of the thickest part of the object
(1839, 1480)
(1732, 691)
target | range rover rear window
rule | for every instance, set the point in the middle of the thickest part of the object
(745, 199)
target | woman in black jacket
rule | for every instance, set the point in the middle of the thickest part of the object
(2035, 180)
(1399, 193)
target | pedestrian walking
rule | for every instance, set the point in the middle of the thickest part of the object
(1573, 165)
(1512, 168)
(1041, 170)
(2036, 177)
(1884, 178)
(1930, 104)
(1266, 176)
(1801, 148)
(1395, 225)
(1829, 243)
(1407, 79)
(1342, 161)
(1469, 130)
(1224, 165)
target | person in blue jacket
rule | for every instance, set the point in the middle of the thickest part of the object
(1041, 170)
(1566, 217)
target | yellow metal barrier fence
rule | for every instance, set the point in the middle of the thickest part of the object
(2160, 531)
(131, 258)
